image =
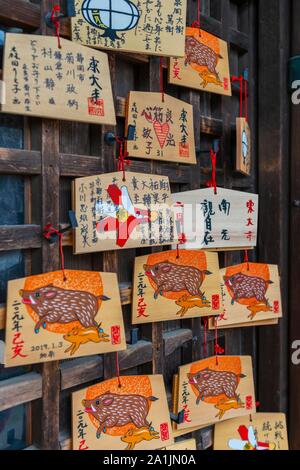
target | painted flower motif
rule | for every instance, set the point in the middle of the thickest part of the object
(248, 441)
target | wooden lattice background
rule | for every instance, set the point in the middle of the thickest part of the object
(55, 152)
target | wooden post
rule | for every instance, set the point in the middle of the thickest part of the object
(110, 258)
(273, 167)
(294, 326)
(47, 433)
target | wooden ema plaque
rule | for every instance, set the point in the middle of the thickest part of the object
(167, 287)
(49, 318)
(211, 391)
(205, 65)
(71, 83)
(113, 214)
(230, 218)
(187, 444)
(164, 128)
(251, 295)
(133, 416)
(260, 431)
(155, 28)
(243, 146)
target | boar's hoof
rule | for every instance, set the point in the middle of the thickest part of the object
(101, 330)
(155, 296)
(44, 325)
(98, 435)
(232, 302)
(36, 330)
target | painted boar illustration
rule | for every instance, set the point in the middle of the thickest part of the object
(212, 383)
(113, 410)
(56, 305)
(200, 54)
(247, 287)
(171, 277)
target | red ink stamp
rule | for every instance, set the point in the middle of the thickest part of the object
(215, 301)
(276, 306)
(115, 334)
(96, 107)
(225, 83)
(184, 150)
(249, 402)
(164, 432)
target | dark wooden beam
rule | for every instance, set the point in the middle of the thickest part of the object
(20, 237)
(239, 40)
(79, 165)
(19, 162)
(19, 390)
(19, 13)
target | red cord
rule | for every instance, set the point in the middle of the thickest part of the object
(199, 15)
(240, 79)
(118, 369)
(246, 259)
(243, 94)
(56, 23)
(197, 24)
(205, 338)
(212, 183)
(218, 349)
(50, 230)
(181, 241)
(246, 99)
(161, 77)
(122, 158)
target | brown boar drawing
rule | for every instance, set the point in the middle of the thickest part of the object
(212, 383)
(112, 410)
(171, 277)
(201, 55)
(243, 286)
(56, 305)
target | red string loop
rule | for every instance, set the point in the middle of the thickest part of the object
(212, 183)
(48, 231)
(55, 21)
(161, 79)
(122, 158)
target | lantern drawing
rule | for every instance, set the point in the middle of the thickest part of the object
(111, 16)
